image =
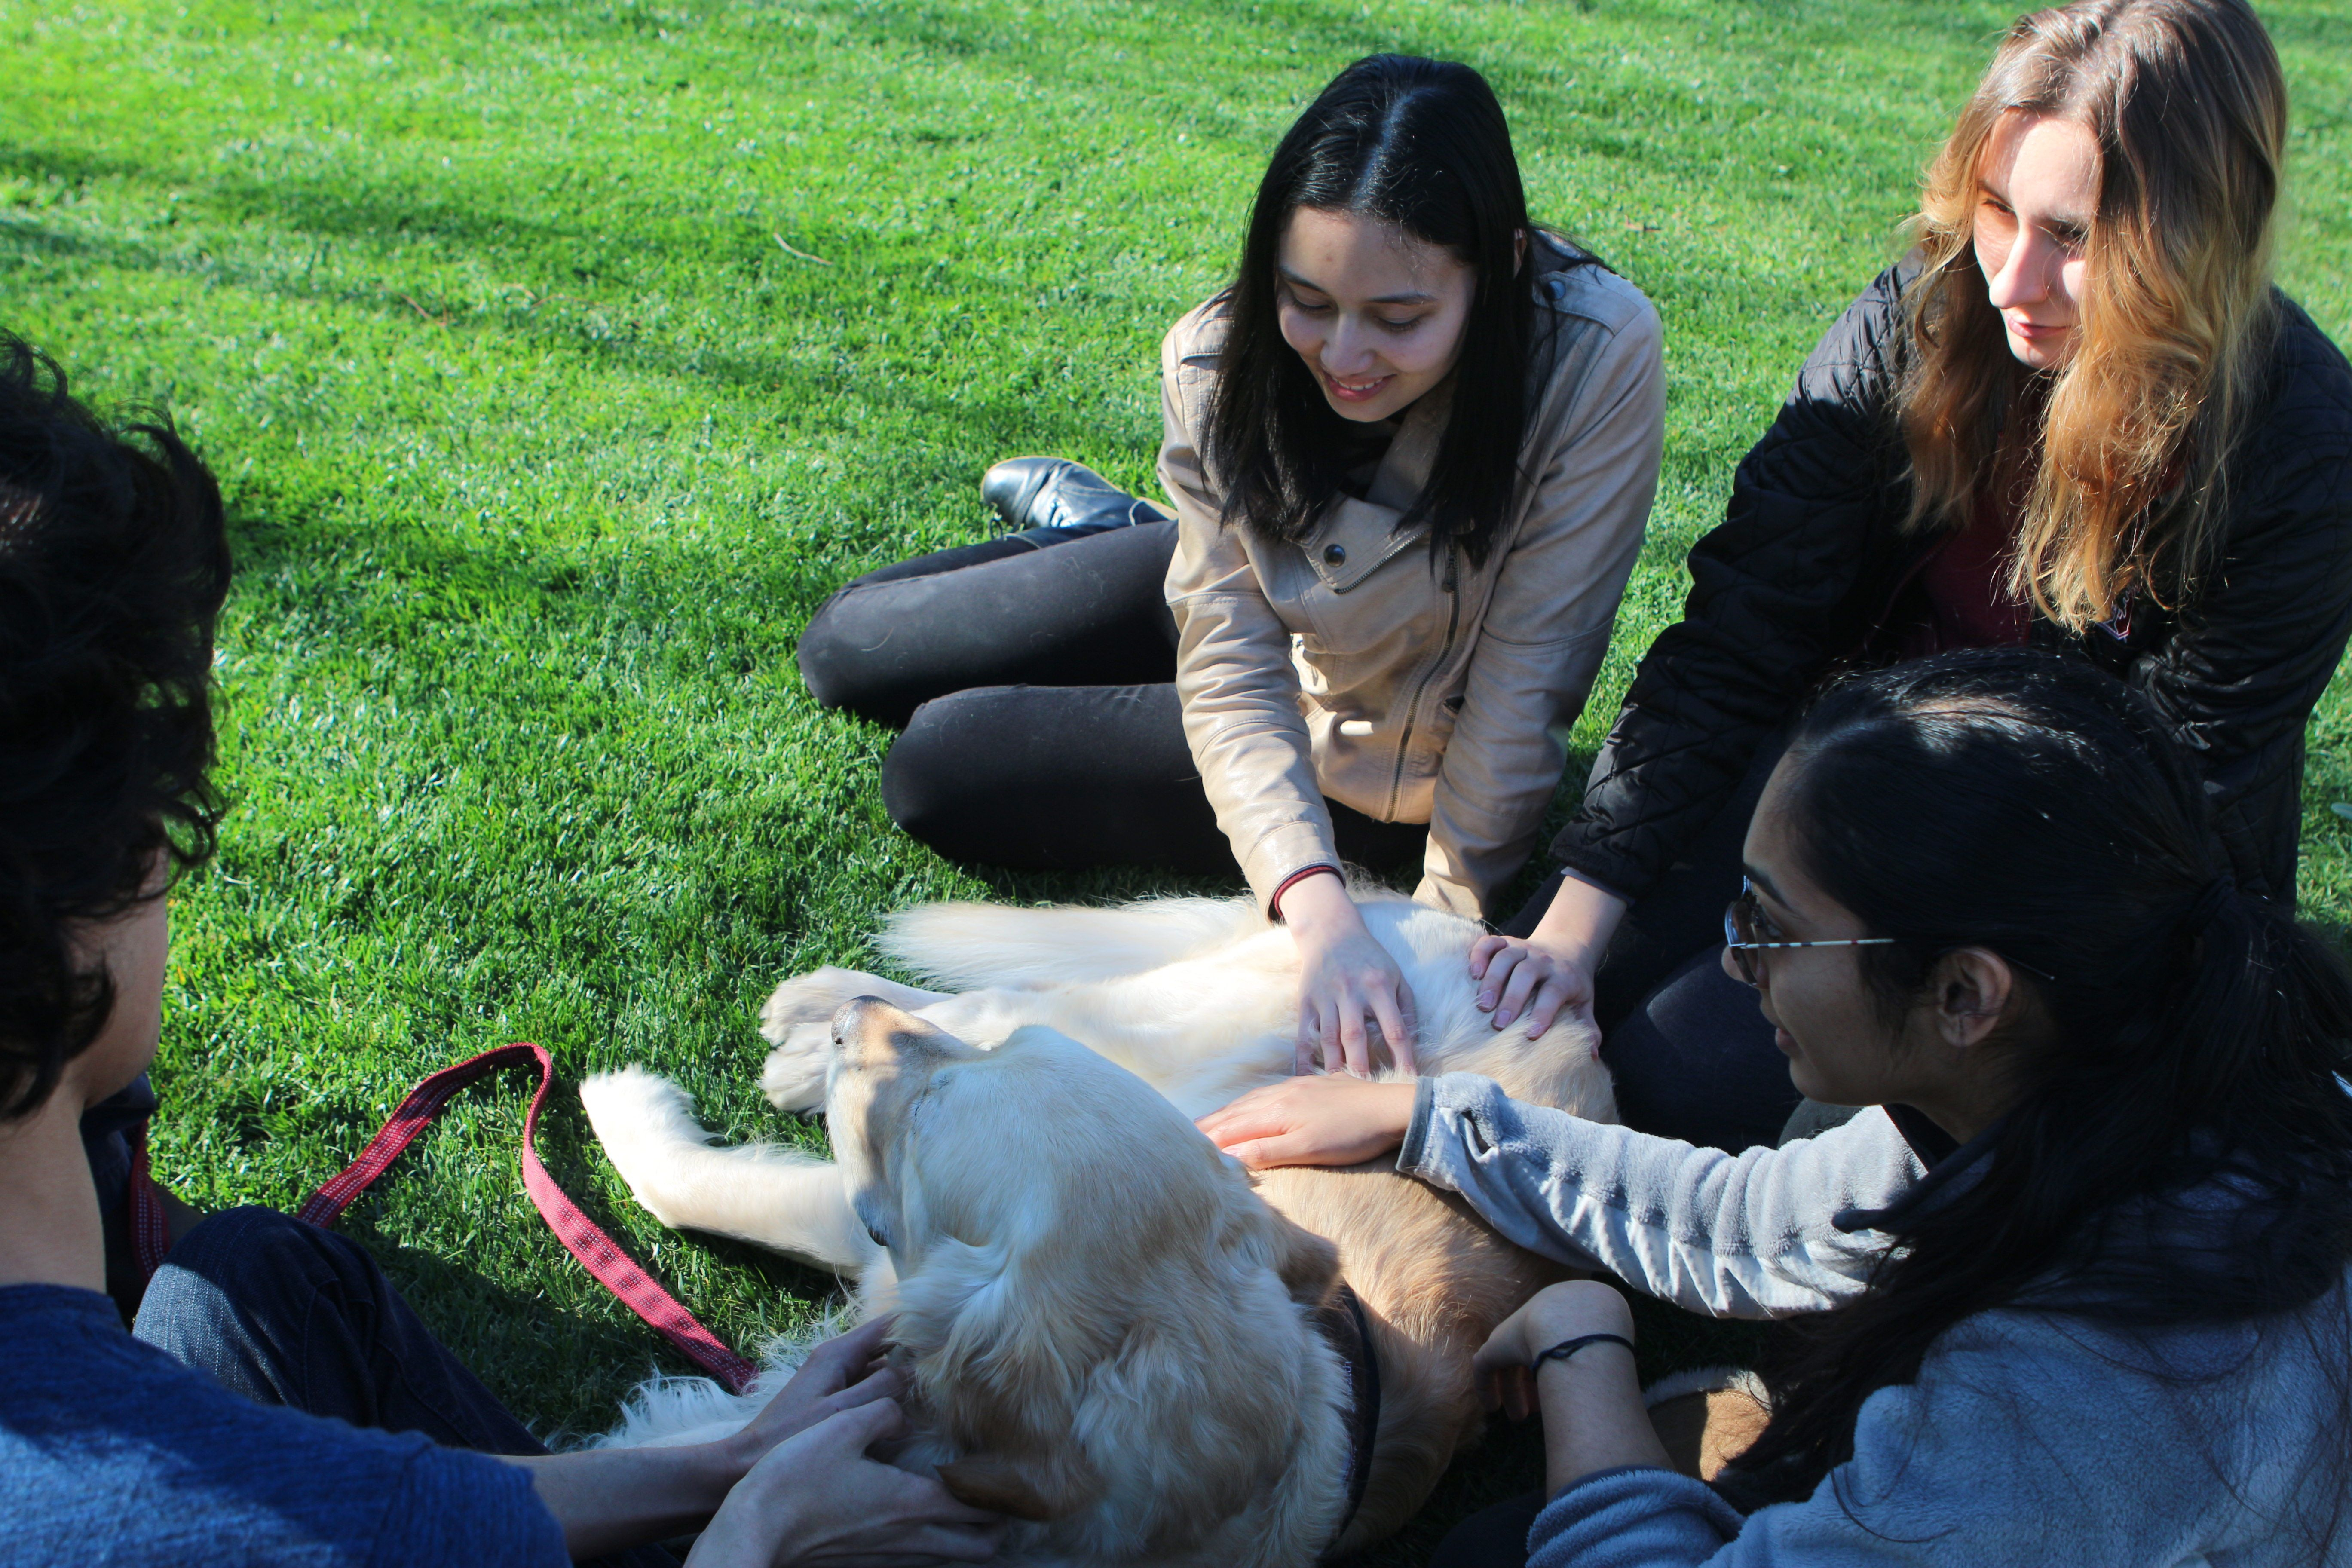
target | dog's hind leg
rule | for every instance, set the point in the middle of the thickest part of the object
(778, 1198)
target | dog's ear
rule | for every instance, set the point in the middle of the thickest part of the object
(1308, 1266)
(1006, 1485)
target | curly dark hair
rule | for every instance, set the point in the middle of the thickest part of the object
(114, 563)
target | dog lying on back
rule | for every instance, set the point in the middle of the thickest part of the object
(1111, 1332)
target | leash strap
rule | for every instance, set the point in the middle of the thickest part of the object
(580, 1236)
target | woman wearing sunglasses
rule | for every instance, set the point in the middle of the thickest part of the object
(2077, 417)
(2075, 1290)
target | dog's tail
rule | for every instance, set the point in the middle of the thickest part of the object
(965, 946)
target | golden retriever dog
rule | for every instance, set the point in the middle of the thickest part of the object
(1110, 1330)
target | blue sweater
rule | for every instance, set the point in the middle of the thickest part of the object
(2026, 1438)
(112, 1453)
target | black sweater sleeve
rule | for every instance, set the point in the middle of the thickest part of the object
(2253, 653)
(1811, 523)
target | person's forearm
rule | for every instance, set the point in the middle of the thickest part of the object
(1318, 904)
(1580, 919)
(608, 1500)
(1593, 1417)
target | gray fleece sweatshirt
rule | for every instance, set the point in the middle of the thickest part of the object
(2025, 1439)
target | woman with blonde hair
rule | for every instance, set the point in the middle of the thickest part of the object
(2078, 415)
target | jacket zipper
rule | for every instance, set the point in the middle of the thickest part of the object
(1421, 689)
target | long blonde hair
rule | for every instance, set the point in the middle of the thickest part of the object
(2186, 103)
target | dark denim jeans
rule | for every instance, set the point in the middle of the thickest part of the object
(286, 1313)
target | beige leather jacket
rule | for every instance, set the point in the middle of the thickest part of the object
(1414, 691)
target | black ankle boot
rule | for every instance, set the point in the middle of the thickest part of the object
(1052, 500)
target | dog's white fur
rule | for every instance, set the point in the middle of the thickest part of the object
(1106, 1322)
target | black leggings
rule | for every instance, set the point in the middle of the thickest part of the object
(1037, 690)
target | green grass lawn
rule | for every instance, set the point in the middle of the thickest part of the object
(558, 356)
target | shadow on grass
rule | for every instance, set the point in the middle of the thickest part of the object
(521, 1344)
(987, 426)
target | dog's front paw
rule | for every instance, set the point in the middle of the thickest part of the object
(793, 1078)
(816, 998)
(641, 1120)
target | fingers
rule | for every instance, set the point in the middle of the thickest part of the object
(1403, 1046)
(885, 1383)
(1498, 972)
(856, 1349)
(1248, 1117)
(1543, 1007)
(1392, 1014)
(860, 1427)
(1518, 1392)
(1524, 980)
(1266, 1154)
(1555, 998)
(1483, 952)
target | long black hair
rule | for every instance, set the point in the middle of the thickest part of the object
(2191, 1037)
(113, 565)
(1422, 144)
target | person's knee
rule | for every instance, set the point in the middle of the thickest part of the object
(928, 783)
(830, 659)
(239, 1262)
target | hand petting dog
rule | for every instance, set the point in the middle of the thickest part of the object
(1331, 1120)
(1345, 977)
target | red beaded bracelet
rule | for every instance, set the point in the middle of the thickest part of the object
(1274, 904)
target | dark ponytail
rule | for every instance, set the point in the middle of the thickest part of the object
(2196, 1036)
(1422, 144)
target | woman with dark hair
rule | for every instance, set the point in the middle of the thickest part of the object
(1411, 451)
(2079, 1285)
(2079, 416)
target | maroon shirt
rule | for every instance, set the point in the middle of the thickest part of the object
(1964, 597)
(1959, 594)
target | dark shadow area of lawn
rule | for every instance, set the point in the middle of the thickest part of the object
(976, 425)
(520, 1344)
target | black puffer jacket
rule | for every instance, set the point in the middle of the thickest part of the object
(1810, 560)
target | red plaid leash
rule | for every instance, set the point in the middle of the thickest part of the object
(580, 1236)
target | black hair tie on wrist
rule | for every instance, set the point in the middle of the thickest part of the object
(1566, 1348)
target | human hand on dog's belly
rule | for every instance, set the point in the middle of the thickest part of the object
(1324, 1121)
(1345, 976)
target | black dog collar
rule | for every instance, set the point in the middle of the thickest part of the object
(1342, 1323)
